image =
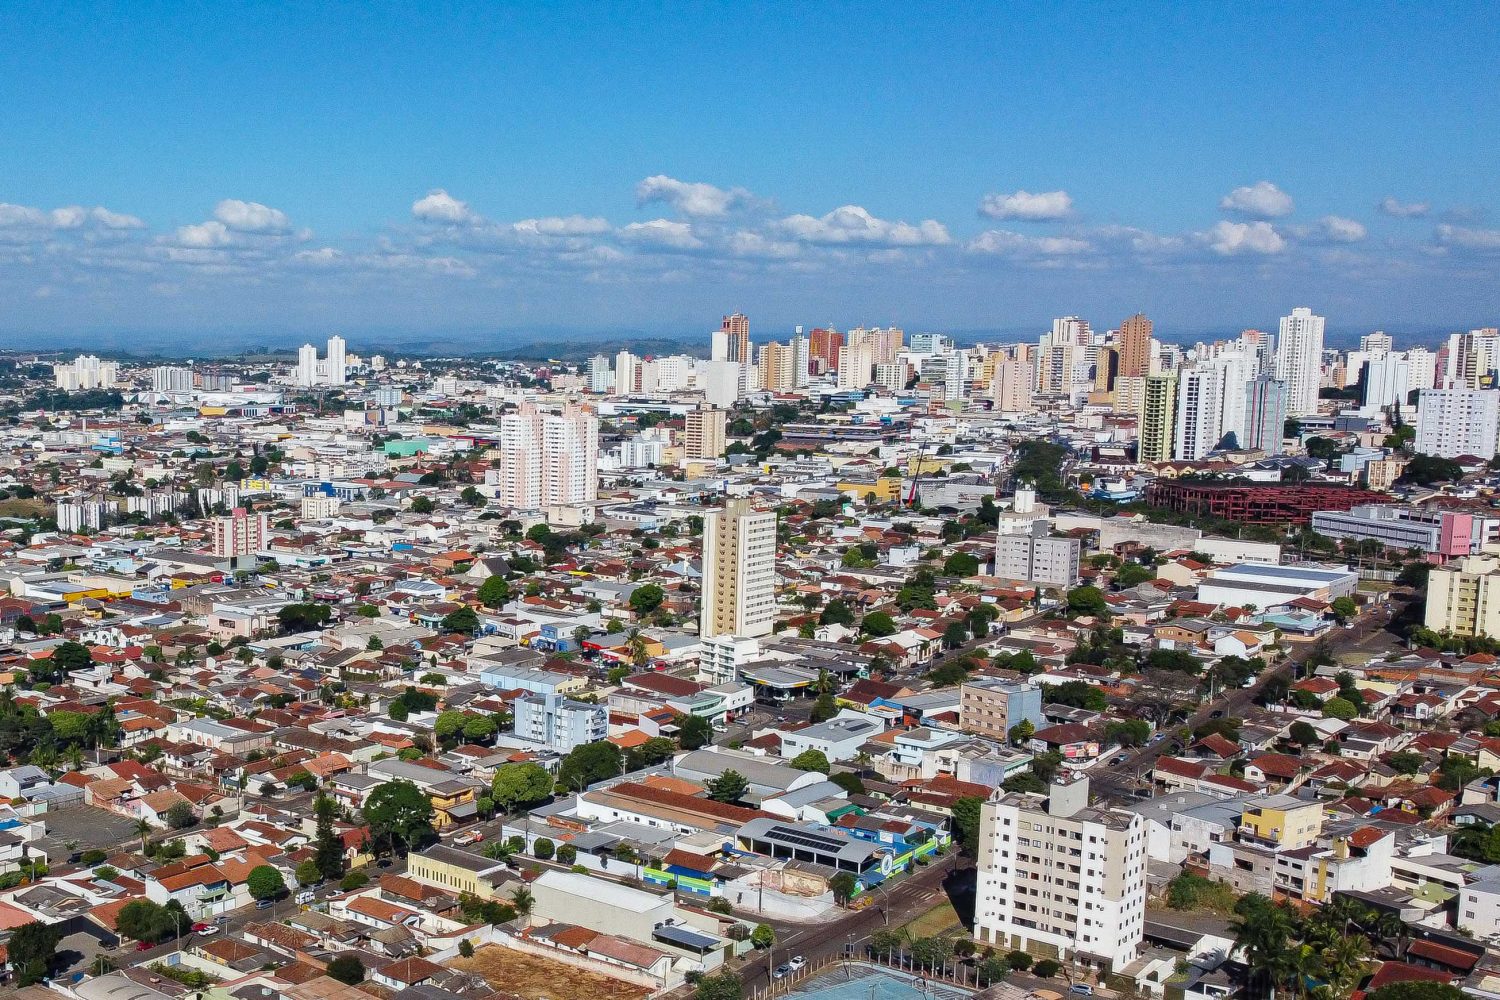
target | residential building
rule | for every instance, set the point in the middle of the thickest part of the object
(338, 367)
(991, 707)
(1059, 876)
(242, 533)
(1281, 822)
(306, 372)
(1463, 597)
(1039, 558)
(1265, 415)
(167, 378)
(736, 331)
(1135, 346)
(739, 571)
(1010, 386)
(1158, 409)
(703, 433)
(85, 372)
(1199, 412)
(1454, 422)
(1299, 360)
(558, 722)
(824, 347)
(547, 458)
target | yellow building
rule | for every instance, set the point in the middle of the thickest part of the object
(1158, 418)
(456, 871)
(1463, 597)
(1282, 822)
(886, 489)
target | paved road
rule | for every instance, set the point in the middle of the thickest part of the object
(912, 897)
(1118, 782)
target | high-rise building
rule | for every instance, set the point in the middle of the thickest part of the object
(884, 344)
(547, 459)
(601, 377)
(1454, 422)
(306, 373)
(1463, 597)
(559, 723)
(736, 330)
(85, 372)
(777, 364)
(1387, 379)
(1375, 343)
(1135, 346)
(1058, 874)
(955, 374)
(931, 343)
(1199, 412)
(739, 571)
(856, 364)
(703, 433)
(1055, 368)
(1158, 413)
(1010, 385)
(1299, 360)
(242, 533)
(166, 378)
(801, 360)
(1071, 330)
(627, 373)
(824, 346)
(1106, 371)
(338, 370)
(892, 375)
(1038, 557)
(1265, 415)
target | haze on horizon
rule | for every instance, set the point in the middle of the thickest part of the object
(220, 174)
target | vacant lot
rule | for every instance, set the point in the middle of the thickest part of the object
(542, 979)
(88, 828)
(940, 921)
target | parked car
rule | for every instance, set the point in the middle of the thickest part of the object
(200, 927)
(145, 945)
(472, 837)
(264, 904)
(782, 971)
(1081, 990)
(209, 930)
(796, 962)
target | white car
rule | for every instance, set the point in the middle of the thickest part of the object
(796, 962)
(210, 930)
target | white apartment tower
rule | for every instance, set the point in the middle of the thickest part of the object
(1056, 873)
(627, 373)
(166, 378)
(85, 372)
(306, 373)
(1454, 422)
(1299, 360)
(337, 368)
(739, 572)
(547, 459)
(1200, 406)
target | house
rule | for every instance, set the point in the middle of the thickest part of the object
(1077, 744)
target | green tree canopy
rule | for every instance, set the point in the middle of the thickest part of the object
(730, 786)
(399, 814)
(520, 786)
(265, 882)
(811, 760)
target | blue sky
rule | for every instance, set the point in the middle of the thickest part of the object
(258, 171)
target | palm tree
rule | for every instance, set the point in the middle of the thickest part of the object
(523, 902)
(1261, 935)
(1392, 932)
(142, 830)
(1345, 962)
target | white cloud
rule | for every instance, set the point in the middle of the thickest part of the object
(251, 217)
(1261, 200)
(1044, 206)
(1230, 238)
(747, 243)
(321, 257)
(663, 233)
(115, 220)
(569, 225)
(21, 215)
(1403, 210)
(852, 224)
(440, 206)
(1342, 230)
(1006, 243)
(70, 217)
(1466, 238)
(697, 200)
(206, 234)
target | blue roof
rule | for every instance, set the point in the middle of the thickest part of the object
(683, 937)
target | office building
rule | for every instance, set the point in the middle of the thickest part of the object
(930, 343)
(1106, 373)
(242, 533)
(1463, 597)
(736, 331)
(1060, 876)
(739, 571)
(1157, 421)
(547, 459)
(560, 723)
(1135, 346)
(1447, 534)
(1454, 422)
(1038, 558)
(166, 378)
(85, 372)
(991, 707)
(703, 433)
(1378, 342)
(1299, 360)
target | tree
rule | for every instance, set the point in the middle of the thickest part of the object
(461, 620)
(1344, 608)
(763, 936)
(1046, 969)
(466, 948)
(472, 497)
(567, 854)
(1128, 733)
(347, 969)
(399, 814)
(180, 816)
(811, 760)
(721, 986)
(966, 811)
(949, 674)
(849, 782)
(1424, 470)
(1303, 734)
(522, 901)
(543, 848)
(961, 564)
(69, 656)
(836, 612)
(480, 728)
(586, 764)
(1340, 708)
(727, 787)
(1132, 574)
(32, 949)
(1087, 600)
(494, 591)
(1018, 960)
(878, 625)
(646, 599)
(303, 617)
(1020, 733)
(354, 880)
(955, 635)
(843, 885)
(307, 872)
(1261, 932)
(265, 882)
(143, 920)
(423, 505)
(694, 731)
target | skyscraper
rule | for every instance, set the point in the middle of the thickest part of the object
(801, 359)
(547, 458)
(777, 372)
(1135, 346)
(1299, 360)
(1265, 415)
(1010, 386)
(736, 329)
(739, 572)
(307, 366)
(337, 370)
(1199, 409)
(166, 378)
(627, 373)
(1158, 409)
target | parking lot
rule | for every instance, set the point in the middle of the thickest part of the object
(83, 828)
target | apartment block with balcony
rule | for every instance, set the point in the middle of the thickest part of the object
(1281, 822)
(1463, 597)
(560, 723)
(991, 707)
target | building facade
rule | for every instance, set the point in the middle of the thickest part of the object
(739, 571)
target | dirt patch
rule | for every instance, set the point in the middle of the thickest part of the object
(534, 977)
(940, 921)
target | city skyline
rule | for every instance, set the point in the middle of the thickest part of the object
(506, 172)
